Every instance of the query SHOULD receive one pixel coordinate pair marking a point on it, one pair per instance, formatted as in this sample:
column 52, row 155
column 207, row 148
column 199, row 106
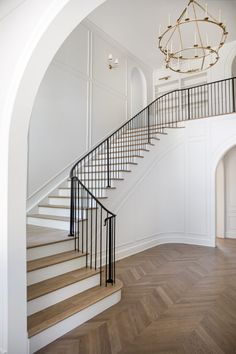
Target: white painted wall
column 220, row 199
column 80, row 101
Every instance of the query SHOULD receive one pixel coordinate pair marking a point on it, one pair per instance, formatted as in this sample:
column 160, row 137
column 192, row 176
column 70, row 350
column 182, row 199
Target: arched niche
column 138, row 91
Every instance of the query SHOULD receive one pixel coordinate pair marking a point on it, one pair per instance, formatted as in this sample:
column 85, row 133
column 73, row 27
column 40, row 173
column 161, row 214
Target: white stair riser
column 51, row 223
column 122, row 149
column 104, row 169
column 121, row 160
column 66, row 202
column 98, row 183
column 51, row 249
column 66, row 192
column 42, row 339
column 54, row 297
column 98, row 175
column 133, row 138
column 57, row 269
column 60, row 212
column 118, row 155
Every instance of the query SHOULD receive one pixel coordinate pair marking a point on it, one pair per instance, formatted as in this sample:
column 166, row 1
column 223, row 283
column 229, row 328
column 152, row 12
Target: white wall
column 80, row 101
column 220, row 199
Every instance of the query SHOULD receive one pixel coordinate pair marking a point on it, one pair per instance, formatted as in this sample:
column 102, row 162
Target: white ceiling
column 135, row 23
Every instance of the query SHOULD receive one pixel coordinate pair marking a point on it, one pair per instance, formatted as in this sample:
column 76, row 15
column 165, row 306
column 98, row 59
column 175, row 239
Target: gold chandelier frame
column 201, row 50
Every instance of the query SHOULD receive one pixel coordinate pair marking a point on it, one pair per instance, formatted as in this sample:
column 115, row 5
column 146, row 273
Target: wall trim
column 132, row 248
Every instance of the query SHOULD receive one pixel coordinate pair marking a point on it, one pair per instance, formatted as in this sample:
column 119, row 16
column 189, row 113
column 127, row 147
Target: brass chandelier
column 187, row 44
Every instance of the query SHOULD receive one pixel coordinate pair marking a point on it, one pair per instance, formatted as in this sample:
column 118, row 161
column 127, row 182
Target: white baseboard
column 130, row 249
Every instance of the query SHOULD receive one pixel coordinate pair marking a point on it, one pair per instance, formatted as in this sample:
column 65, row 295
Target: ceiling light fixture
column 188, row 44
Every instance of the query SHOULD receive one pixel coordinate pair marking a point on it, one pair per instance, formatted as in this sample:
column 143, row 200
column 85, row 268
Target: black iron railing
column 91, row 223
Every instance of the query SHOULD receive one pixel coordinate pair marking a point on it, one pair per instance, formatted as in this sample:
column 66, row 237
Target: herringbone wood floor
column 176, row 299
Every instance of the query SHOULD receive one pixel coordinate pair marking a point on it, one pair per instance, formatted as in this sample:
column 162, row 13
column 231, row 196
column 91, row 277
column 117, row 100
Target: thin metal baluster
column 83, row 201
column 96, row 233
column 171, row 108
column 212, row 108
column 79, row 216
column 100, row 246
column 233, row 94
column 108, row 165
column 106, row 246
column 114, row 253
column 214, row 99
column 111, row 276
column 75, row 214
column 72, row 207
column 225, row 98
column 91, row 235
column 218, row 97
column 87, row 220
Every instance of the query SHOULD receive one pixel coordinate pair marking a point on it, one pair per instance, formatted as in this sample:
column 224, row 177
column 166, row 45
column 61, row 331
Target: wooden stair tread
column 101, row 179
column 63, row 197
column 118, row 158
column 122, row 151
column 92, row 188
column 52, row 260
column 113, row 164
column 99, row 171
column 38, row 236
column 51, row 217
column 64, row 206
column 46, row 318
column 47, row 286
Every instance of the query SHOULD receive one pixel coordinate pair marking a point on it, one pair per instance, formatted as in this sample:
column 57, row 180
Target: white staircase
column 62, row 292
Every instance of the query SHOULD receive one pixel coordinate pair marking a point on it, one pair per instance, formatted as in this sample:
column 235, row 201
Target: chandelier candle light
column 191, row 54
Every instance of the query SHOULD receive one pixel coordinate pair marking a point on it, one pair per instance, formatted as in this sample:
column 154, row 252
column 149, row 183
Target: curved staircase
column 71, row 279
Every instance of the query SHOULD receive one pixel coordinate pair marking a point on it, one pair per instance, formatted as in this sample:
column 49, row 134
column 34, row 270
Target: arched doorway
column 138, row 91
column 32, row 32
column 226, row 195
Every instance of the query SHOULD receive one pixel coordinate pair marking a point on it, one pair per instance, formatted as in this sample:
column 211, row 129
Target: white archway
column 138, row 91
column 216, row 158
column 40, row 27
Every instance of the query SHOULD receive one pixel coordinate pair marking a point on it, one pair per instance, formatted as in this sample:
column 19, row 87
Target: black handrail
column 95, row 171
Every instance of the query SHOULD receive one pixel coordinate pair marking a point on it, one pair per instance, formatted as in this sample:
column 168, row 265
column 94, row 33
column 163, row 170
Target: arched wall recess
column 40, row 27
column 138, row 90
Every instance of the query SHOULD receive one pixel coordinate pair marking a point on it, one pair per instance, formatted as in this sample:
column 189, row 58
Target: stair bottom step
column 53, row 322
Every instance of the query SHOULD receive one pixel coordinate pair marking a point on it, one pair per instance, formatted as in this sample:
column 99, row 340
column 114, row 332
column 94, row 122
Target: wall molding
column 129, row 249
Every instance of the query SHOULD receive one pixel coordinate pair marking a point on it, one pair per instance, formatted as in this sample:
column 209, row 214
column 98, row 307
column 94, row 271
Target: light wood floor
column 176, row 299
